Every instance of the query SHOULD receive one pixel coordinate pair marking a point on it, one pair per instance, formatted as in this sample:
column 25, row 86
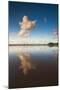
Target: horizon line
column 32, row 44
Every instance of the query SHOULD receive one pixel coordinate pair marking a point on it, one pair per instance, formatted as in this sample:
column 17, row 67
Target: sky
column 46, row 16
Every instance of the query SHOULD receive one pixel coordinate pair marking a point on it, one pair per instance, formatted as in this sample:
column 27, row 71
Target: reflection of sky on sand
column 26, row 64
column 32, row 49
column 31, row 65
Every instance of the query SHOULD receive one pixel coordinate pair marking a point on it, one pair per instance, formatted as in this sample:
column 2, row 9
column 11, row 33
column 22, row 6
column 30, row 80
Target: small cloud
column 55, row 33
column 26, row 26
column 45, row 19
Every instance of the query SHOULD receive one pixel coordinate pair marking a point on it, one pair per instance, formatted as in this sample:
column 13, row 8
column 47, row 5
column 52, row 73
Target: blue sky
column 46, row 16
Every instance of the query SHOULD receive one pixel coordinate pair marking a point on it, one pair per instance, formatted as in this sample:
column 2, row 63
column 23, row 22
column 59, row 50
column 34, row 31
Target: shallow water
column 31, row 66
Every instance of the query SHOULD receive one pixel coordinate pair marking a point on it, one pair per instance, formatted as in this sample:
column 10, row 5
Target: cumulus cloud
column 26, row 26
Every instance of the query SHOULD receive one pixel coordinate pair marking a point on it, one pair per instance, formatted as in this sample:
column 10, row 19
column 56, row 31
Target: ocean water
column 33, row 66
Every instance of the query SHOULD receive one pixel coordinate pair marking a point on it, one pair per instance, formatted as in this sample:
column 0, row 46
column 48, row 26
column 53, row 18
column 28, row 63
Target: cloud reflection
column 25, row 63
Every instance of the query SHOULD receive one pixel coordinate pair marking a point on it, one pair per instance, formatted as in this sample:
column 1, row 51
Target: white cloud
column 26, row 26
